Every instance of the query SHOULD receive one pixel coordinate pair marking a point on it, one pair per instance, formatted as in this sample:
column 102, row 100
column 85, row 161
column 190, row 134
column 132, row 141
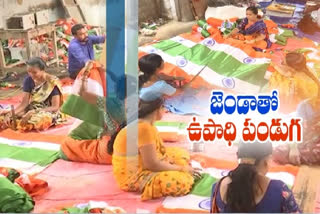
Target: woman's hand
column 195, row 172
column 26, row 117
column 5, row 111
column 179, row 78
column 7, row 120
column 249, row 41
column 84, row 85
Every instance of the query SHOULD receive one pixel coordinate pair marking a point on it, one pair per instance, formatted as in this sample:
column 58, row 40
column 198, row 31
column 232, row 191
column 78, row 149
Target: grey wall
column 11, row 7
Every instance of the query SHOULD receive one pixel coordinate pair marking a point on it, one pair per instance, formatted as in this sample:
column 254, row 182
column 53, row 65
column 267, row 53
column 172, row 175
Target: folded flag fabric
column 171, row 131
column 282, row 36
column 198, row 200
column 13, row 199
column 29, row 153
column 33, row 186
column 90, row 117
column 231, row 66
column 93, row 207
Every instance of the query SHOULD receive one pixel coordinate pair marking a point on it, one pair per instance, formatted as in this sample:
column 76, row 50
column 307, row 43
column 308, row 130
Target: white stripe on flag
column 207, row 74
column 189, row 202
column 167, row 129
column 92, row 86
column 31, row 144
column 213, row 45
column 286, row 177
column 24, row 166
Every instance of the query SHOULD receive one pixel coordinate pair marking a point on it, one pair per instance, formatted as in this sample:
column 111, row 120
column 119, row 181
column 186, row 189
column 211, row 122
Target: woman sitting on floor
column 247, row 189
column 152, row 84
column 148, row 166
column 307, row 152
column 94, row 149
column 294, row 81
column 252, row 30
column 41, row 100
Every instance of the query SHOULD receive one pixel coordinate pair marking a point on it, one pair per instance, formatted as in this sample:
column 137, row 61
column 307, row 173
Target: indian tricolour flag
column 90, row 118
column 28, row 152
column 198, row 200
column 225, row 65
column 171, row 131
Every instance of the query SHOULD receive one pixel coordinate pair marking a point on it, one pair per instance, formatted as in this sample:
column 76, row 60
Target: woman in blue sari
column 252, row 30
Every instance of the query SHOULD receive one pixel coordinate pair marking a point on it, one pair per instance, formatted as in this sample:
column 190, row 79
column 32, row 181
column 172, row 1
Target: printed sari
column 39, row 99
column 131, row 176
column 292, row 89
column 251, row 32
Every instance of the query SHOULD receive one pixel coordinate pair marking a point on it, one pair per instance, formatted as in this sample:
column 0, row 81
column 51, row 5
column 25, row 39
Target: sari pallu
column 251, row 32
column 40, row 99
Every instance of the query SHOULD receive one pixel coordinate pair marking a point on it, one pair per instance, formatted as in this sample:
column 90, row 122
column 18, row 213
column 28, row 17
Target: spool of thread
column 203, row 24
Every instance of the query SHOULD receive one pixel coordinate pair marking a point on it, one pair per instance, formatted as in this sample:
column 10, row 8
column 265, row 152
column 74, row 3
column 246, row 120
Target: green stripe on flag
column 173, row 124
column 219, row 61
column 34, row 155
column 77, row 107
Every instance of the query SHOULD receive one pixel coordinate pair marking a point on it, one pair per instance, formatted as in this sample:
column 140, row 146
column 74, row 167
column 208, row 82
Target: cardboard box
column 42, row 17
column 23, row 22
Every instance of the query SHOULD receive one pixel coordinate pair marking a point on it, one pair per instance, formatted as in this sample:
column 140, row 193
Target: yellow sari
column 292, row 89
column 131, row 176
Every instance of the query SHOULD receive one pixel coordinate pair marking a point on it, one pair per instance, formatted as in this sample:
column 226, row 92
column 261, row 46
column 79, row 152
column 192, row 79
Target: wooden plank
column 2, row 59
column 55, row 48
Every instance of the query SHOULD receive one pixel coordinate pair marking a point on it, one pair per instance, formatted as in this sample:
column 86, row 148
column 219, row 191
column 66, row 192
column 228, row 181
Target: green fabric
column 86, row 131
column 75, row 210
column 77, row 107
column 174, row 124
column 37, row 156
column 203, row 186
column 283, row 37
column 219, row 61
column 63, row 156
column 13, row 199
column 287, row 33
column 13, row 175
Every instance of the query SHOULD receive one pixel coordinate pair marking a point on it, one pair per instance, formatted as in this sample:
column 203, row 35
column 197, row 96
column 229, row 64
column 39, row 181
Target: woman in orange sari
column 149, row 167
column 252, row 30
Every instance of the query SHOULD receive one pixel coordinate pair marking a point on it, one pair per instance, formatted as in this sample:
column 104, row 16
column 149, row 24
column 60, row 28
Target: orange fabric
column 33, row 186
column 89, row 151
column 214, row 22
column 31, row 136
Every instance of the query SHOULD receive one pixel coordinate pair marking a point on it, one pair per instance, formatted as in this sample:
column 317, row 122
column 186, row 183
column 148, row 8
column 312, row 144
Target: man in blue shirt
column 80, row 49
